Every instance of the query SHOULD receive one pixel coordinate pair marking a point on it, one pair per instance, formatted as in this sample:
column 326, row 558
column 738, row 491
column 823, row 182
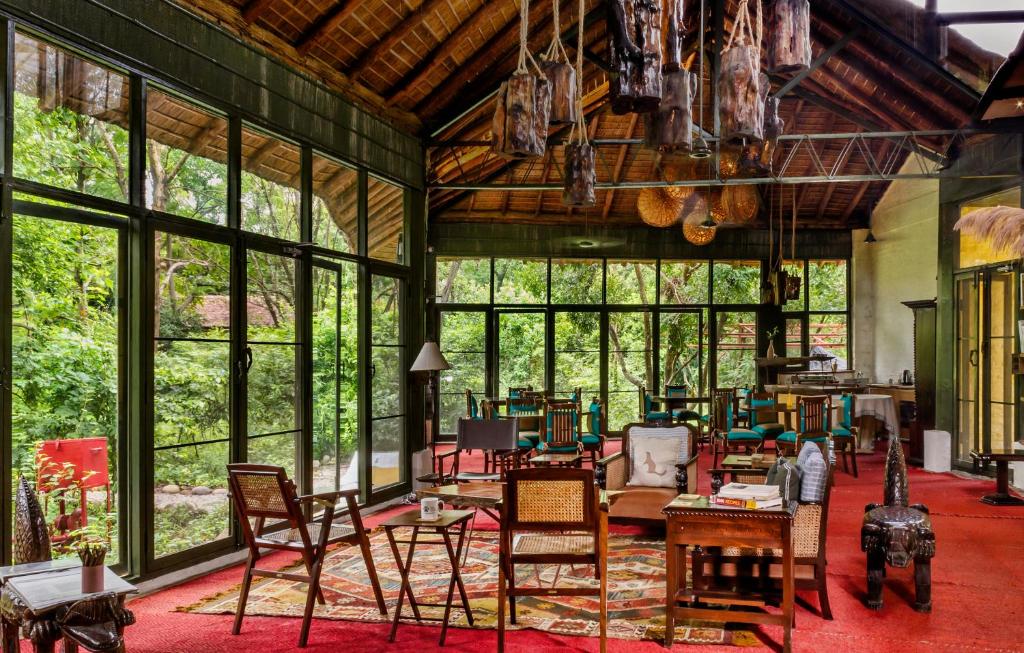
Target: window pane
column 463, row 343
column 827, row 280
column 578, row 353
column 270, row 311
column 387, row 425
column 463, row 280
column 64, row 372
column 191, row 387
column 521, row 351
column 629, row 366
column 271, row 175
column 737, row 282
column 973, row 251
column 518, row 281
column 387, row 443
column 70, row 121
column 192, row 288
column 271, row 381
column 682, row 354
column 186, row 159
column 275, row 450
column 794, row 337
column 386, row 221
column 828, row 337
column 183, row 518
column 737, row 342
column 796, row 269
column 386, row 295
column 631, row 282
column 684, row 282
column 576, row 282
column 335, row 205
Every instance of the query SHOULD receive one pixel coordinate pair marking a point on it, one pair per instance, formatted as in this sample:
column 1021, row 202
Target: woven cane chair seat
column 338, row 531
column 544, row 544
column 806, row 526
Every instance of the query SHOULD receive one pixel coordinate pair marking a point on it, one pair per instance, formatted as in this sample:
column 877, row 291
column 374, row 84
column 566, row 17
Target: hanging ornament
column 789, row 43
column 519, row 128
column 657, row 208
column 694, row 204
column 742, row 88
column 670, row 127
column 718, row 212
column 696, row 233
column 561, row 76
column 579, row 187
column 634, row 44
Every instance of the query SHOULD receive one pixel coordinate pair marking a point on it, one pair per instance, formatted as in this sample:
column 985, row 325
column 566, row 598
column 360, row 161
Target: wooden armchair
column 561, row 428
column 641, row 504
column 736, row 569
column 264, row 492
column 684, row 414
column 812, row 416
column 726, row 437
column 844, row 434
column 647, row 412
column 497, row 438
column 596, row 433
column 552, row 516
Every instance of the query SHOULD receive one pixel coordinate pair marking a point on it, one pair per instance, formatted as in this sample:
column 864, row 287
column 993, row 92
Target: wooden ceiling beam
column 519, row 217
column 395, row 36
column 326, row 24
column 254, row 9
column 857, row 197
column 620, row 161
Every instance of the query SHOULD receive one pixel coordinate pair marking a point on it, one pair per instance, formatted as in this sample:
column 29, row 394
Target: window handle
column 246, row 365
column 373, row 370
column 974, row 357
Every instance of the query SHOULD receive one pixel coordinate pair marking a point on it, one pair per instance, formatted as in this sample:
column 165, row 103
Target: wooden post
column 634, row 29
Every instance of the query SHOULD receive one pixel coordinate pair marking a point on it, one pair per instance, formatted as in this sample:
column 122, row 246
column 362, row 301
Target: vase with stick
column 771, row 333
column 92, row 552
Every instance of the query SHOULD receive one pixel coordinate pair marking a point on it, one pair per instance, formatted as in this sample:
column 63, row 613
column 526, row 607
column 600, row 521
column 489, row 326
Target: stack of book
column 748, row 495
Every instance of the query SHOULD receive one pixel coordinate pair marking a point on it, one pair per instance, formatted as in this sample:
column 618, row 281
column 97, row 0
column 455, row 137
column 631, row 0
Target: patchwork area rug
column 636, row 592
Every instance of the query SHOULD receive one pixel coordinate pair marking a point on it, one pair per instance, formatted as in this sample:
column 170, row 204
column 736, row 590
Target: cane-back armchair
column 264, row 493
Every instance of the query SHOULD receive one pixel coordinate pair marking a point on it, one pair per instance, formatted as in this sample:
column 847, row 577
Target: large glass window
column 521, row 349
column 683, row 350
column 463, row 280
column 736, row 344
column 186, row 155
column 464, row 345
column 578, row 353
column 385, row 221
column 65, row 399
column 684, row 282
column 335, row 205
column 630, row 365
column 974, row 252
column 70, row 121
column 388, row 381
column 520, row 281
column 271, row 176
column 826, row 285
column 192, row 378
column 576, row 281
column 737, row 282
column 632, row 282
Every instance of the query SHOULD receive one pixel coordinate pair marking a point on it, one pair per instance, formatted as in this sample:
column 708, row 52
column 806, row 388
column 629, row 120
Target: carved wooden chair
column 812, row 425
column 551, row 516
column 472, row 406
column 596, row 433
column 684, row 414
column 734, row 568
column 641, row 504
column 561, row 428
column 726, row 437
column 497, row 438
column 264, row 492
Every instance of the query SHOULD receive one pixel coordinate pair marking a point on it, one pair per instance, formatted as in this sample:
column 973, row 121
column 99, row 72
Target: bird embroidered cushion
column 654, row 456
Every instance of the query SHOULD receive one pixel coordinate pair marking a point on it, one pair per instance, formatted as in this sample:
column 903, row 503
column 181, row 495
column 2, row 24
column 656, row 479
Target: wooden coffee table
column 734, row 464
column 1002, row 457
column 557, row 460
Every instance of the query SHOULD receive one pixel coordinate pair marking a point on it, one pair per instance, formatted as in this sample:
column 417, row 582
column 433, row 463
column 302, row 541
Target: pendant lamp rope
column 578, row 133
column 524, row 50
column 743, row 28
column 556, row 51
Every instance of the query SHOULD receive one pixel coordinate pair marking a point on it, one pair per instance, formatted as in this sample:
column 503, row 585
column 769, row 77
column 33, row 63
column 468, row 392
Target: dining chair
column 561, row 428
column 595, row 435
column 472, row 406
column 684, row 414
column 813, row 413
column 264, row 492
column 497, row 438
column 726, row 437
column 844, row 434
column 764, row 414
column 647, row 412
column 552, row 516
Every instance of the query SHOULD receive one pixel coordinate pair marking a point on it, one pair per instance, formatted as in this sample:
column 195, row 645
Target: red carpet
column 978, row 593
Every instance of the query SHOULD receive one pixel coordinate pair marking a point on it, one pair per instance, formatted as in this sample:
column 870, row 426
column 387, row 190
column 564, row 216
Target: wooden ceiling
column 423, row 63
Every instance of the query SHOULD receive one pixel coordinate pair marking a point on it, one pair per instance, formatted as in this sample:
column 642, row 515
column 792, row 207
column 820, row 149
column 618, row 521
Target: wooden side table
column 557, row 460
column 449, row 520
column 1002, row 457
column 692, row 521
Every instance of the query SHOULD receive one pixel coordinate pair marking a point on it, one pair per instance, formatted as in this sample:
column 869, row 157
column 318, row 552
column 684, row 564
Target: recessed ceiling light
column 587, row 244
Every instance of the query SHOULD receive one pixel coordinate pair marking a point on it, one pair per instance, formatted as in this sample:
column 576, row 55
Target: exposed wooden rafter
column 326, row 24
column 254, row 9
column 395, row 36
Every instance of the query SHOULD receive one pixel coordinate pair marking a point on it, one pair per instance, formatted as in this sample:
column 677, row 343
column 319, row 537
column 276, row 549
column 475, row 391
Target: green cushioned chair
column 681, row 414
column 726, row 435
column 812, row 421
column 594, row 437
column 472, row 406
column 844, row 436
column 561, row 428
column 647, row 408
column 763, row 415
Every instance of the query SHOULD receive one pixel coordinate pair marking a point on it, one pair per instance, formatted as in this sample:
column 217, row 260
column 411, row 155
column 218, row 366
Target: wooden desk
column 1001, row 457
column 696, row 523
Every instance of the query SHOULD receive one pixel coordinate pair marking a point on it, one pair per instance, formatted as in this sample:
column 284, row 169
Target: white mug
column 430, row 509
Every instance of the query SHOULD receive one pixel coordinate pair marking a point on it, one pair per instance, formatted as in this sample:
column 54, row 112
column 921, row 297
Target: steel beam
column 817, row 63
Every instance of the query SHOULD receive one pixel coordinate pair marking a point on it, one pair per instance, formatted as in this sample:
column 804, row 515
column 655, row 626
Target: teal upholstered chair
column 844, row 435
column 726, row 437
column 525, row 392
column 595, row 434
column 764, row 414
column 743, row 413
column 647, row 412
column 561, row 428
column 472, row 406
column 812, row 426
column 684, row 414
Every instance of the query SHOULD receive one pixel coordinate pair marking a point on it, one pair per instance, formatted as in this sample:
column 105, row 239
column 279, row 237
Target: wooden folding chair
column 264, row 492
column 552, row 516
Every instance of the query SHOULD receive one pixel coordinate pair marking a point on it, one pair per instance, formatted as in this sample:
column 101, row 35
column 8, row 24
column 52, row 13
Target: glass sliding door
column 630, row 365
column 578, row 354
column 968, row 357
column 735, row 349
column 1001, row 327
column 463, row 342
column 66, row 408
column 192, row 393
column 683, row 338
column 335, row 376
column 387, row 382
column 522, row 350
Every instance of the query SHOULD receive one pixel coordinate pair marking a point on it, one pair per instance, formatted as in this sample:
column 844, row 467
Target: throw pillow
column 814, row 474
column 787, row 476
column 654, row 454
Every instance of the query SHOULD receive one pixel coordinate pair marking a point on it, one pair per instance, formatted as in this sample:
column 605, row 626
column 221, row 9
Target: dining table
column 873, row 412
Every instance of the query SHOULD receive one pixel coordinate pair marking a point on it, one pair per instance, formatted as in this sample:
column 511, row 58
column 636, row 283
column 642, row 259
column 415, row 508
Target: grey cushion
column 813, row 473
column 787, row 476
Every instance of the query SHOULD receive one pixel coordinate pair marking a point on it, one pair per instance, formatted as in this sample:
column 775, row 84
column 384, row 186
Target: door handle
column 246, row 365
column 373, row 370
column 973, row 359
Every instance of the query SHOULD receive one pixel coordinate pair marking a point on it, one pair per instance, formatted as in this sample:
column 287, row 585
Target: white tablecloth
column 881, row 407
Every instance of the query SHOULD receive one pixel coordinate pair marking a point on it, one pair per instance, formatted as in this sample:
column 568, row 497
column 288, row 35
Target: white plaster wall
column 901, row 266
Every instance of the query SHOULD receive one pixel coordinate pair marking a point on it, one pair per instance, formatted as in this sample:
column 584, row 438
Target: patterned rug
column 636, row 592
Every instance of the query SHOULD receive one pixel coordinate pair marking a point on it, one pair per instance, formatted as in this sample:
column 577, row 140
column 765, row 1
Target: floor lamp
column 430, row 361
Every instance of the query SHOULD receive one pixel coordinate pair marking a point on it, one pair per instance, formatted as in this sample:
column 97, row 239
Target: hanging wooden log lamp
column 560, row 73
column 580, row 174
column 741, row 86
column 789, row 42
column 519, row 128
column 669, row 128
column 634, row 44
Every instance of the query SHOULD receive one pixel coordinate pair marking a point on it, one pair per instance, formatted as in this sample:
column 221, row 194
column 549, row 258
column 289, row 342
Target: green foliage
column 183, row 526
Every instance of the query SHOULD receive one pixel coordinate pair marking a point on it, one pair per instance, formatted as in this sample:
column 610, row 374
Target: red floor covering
column 978, row 593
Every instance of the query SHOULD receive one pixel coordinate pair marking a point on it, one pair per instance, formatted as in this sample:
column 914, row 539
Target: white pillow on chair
column 653, row 454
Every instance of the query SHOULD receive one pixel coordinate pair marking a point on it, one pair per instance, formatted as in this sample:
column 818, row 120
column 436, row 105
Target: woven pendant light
column 673, row 171
column 657, row 208
column 694, row 206
column 696, row 233
column 718, row 212
column 740, row 203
